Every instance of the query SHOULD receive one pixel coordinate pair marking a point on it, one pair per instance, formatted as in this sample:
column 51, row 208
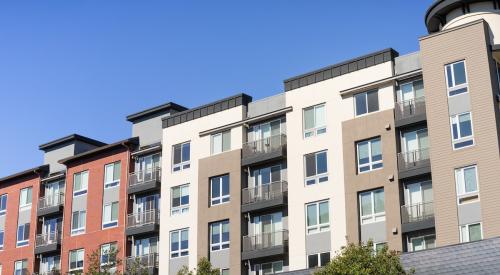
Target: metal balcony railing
column 143, row 218
column 264, row 146
column 55, row 271
column 51, row 200
column 135, row 264
column 264, row 192
column 46, row 239
column 265, row 241
column 413, row 159
column 410, row 108
column 417, row 212
column 144, row 176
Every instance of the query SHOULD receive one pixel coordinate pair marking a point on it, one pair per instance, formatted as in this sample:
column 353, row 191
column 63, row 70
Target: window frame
column 3, row 201
column 260, row 269
column 461, row 193
column 222, row 245
column 375, row 244
column 223, row 141
column 461, row 140
column 111, row 223
column 184, row 164
column 24, row 266
column 316, row 178
column 81, row 192
column 25, row 241
column 110, row 262
column 410, row 243
column 221, row 198
column 182, row 208
column 78, row 251
column 318, row 256
column 318, row 227
column 113, row 183
column 29, row 202
column 467, row 226
column 317, row 129
column 79, row 230
column 179, row 251
column 373, row 217
column 365, row 93
column 2, row 239
column 456, row 88
column 371, row 163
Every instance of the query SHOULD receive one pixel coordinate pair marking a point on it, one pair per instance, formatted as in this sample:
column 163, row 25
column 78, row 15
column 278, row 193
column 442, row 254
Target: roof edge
column 36, row 170
column 154, row 110
column 123, row 143
column 73, row 137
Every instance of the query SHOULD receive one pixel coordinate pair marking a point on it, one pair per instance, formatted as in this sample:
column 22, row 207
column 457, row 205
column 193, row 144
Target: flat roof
column 126, row 142
column 155, row 110
column 33, row 171
column 67, row 139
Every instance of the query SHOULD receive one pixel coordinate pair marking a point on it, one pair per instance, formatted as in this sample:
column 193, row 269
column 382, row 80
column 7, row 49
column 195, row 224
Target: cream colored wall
column 482, row 11
column 200, row 148
column 337, row 110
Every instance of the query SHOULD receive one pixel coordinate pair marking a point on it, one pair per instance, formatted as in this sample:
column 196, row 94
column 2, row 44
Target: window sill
column 319, row 232
column 110, row 185
column 77, row 233
column 368, row 171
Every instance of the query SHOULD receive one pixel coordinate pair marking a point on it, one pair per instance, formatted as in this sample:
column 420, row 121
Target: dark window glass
column 177, row 154
column 186, row 151
column 313, row 260
column 361, row 106
column 310, row 165
column 372, row 101
column 325, row 258
column 322, row 163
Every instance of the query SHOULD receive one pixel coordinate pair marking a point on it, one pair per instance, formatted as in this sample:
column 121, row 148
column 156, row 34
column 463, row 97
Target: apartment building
column 402, row 150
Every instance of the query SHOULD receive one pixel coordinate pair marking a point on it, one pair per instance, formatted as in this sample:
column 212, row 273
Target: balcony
column 52, row 272
column 264, row 150
column 417, row 216
column 410, row 111
column 46, row 243
column 414, row 163
column 143, row 222
column 50, row 204
column 145, row 264
column 144, row 181
column 264, row 196
column 265, row 245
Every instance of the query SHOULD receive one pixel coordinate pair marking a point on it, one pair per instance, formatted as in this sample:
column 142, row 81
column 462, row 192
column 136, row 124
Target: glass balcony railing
column 143, row 218
column 265, row 241
column 264, row 192
column 413, row 159
column 410, row 108
column 254, row 149
column 417, row 212
column 47, row 239
column 51, row 200
column 144, row 176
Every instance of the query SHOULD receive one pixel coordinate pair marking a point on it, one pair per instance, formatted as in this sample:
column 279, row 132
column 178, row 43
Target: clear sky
column 82, row 66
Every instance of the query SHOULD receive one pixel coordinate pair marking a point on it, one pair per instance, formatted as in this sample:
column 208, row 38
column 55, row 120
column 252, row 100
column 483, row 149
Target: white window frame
column 78, row 251
column 219, row 244
column 80, row 230
column 317, row 129
column 181, row 209
column 373, row 217
column 221, row 271
column 410, row 242
column 260, row 269
column 461, row 139
column 2, row 232
column 318, row 178
column 318, row 255
column 112, row 183
column 180, row 250
column 23, row 242
column 461, row 193
column 371, row 162
column 111, row 223
column 107, row 248
column 23, row 263
column 82, row 191
column 319, row 227
column 222, row 140
column 367, row 104
column 456, row 87
column 375, row 251
column 25, row 205
column 3, row 197
column 183, row 164
column 467, row 226
column 221, row 197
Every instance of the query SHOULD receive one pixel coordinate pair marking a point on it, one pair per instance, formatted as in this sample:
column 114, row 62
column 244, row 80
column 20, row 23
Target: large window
column 461, row 130
column 270, row 268
column 372, row 206
column 80, row 183
column 181, row 156
column 366, row 102
column 220, row 142
column 21, row 267
column 3, row 204
column 219, row 235
column 25, row 198
column 318, row 259
column 219, row 192
column 23, row 234
column 314, row 120
column 76, row 258
column 108, row 254
column 78, row 220
column 422, row 243
column 2, row 235
column 471, row 232
column 369, row 155
column 112, row 173
column 318, row 217
column 456, row 78
column 316, row 167
column 110, row 215
column 466, row 180
column 410, row 91
column 179, row 243
column 180, row 199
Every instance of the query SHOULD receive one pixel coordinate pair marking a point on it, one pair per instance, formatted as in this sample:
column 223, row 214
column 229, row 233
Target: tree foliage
column 204, row 268
column 112, row 267
column 362, row 260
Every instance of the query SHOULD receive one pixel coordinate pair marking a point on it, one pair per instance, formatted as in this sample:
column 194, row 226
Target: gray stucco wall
column 317, row 243
column 177, row 263
column 407, row 63
column 459, row 104
column 469, row 213
column 266, row 105
column 79, row 203
column 374, row 231
column 53, row 156
column 220, row 259
column 111, row 195
column 149, row 130
column 24, row 216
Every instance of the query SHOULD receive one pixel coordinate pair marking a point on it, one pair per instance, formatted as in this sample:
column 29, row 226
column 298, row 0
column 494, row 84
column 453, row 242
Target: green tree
column 111, row 267
column 362, row 260
column 204, row 268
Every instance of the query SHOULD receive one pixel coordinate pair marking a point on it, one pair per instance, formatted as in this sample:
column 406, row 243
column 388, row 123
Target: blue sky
column 82, row 66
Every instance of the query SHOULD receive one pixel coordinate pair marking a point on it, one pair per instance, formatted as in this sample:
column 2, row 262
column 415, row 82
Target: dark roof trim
column 208, row 109
column 127, row 143
column 39, row 170
column 339, row 69
column 156, row 110
column 74, row 137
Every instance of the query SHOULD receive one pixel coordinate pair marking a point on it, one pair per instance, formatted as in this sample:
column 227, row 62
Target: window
column 108, row 254
column 3, row 204
column 2, row 234
column 366, row 102
column 110, row 215
column 80, row 183
column 316, row 168
column 466, row 180
column 369, row 155
column 180, row 199
column 219, row 235
column 221, row 142
column 318, row 217
column 21, row 267
column 112, row 174
column 471, row 232
column 78, row 222
column 23, row 234
column 181, row 156
column 76, row 260
column 270, row 268
column 179, row 243
column 410, row 91
column 219, row 190
column 25, row 197
column 422, row 243
column 224, row 271
column 317, row 260
column 372, row 206
column 456, row 78
column 377, row 247
column 461, row 130
column 314, row 120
